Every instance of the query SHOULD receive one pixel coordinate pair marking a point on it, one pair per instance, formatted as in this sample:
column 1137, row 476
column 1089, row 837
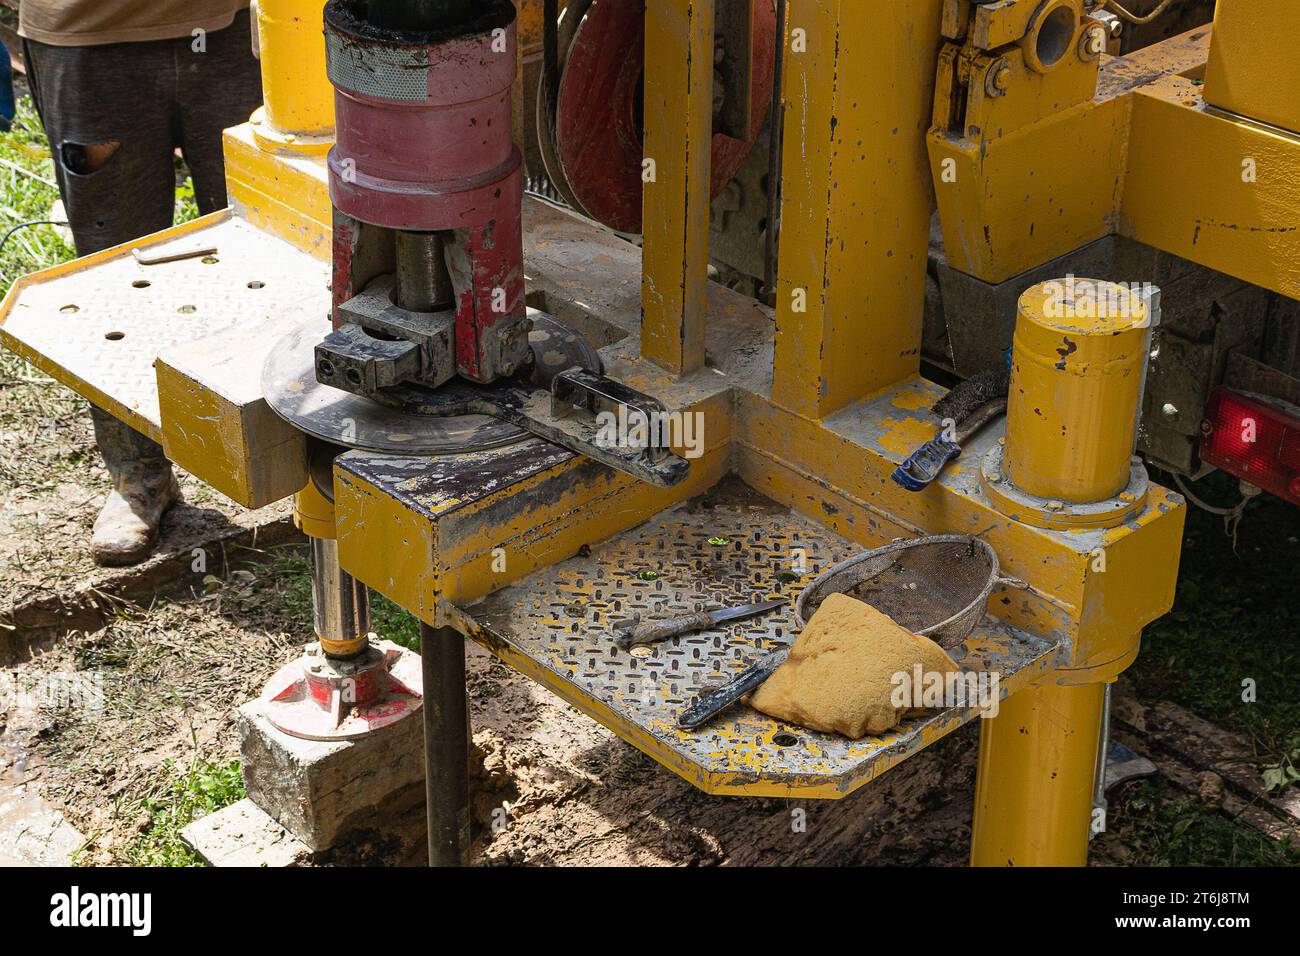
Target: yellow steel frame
column 678, row 142
column 856, row 200
column 841, row 403
column 1253, row 69
column 1126, row 145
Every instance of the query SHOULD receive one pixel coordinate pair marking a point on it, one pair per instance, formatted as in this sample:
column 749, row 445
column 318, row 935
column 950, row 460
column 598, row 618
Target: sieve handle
column 1016, row 583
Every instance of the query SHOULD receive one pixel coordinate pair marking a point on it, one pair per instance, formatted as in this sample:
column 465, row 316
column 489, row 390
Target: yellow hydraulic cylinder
column 298, row 110
column 1033, row 793
column 1076, row 378
column 1076, row 384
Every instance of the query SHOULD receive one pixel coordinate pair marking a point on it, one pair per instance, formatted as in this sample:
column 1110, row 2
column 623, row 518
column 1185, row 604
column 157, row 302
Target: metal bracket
column 593, row 415
column 378, row 344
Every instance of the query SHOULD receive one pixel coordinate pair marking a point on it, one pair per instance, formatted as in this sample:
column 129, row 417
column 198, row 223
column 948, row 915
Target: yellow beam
column 675, row 217
column 1253, row 68
column 1217, row 190
column 856, row 201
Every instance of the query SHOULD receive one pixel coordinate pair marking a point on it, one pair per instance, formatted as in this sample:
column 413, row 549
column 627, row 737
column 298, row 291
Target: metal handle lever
column 925, row 464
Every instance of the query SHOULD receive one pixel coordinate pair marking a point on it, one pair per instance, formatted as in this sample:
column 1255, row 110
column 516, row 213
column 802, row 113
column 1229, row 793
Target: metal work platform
column 730, row 546
column 98, row 323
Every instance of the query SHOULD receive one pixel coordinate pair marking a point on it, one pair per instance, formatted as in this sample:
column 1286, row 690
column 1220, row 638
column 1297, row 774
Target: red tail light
column 1255, row 439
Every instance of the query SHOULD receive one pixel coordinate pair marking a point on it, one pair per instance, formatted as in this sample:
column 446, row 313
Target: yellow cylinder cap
column 313, row 513
column 1076, row 380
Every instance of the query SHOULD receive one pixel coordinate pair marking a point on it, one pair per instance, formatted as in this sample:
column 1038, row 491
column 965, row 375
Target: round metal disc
column 570, row 17
column 598, row 129
column 414, row 421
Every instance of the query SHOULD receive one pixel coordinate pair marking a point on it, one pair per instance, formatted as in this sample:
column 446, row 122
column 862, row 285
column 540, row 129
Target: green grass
column 204, row 788
column 27, row 195
column 186, row 208
column 1234, row 619
column 391, row 622
column 1158, row 825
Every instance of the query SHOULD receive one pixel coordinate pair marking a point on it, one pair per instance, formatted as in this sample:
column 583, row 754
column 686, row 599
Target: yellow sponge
column 840, row 673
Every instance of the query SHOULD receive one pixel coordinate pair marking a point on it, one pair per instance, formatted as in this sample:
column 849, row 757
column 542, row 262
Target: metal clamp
column 925, row 464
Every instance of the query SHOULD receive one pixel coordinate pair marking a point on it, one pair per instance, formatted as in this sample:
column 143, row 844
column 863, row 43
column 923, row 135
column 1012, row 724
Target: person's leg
column 217, row 88
column 144, row 487
column 109, row 128
column 108, row 121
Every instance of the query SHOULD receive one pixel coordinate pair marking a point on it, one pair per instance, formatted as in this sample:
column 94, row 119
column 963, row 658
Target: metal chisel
column 708, row 705
column 634, row 633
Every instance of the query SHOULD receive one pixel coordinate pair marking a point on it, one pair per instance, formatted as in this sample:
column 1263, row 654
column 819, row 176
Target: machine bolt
column 1055, row 506
column 1169, row 410
column 998, row 79
column 1112, row 24
column 1093, row 43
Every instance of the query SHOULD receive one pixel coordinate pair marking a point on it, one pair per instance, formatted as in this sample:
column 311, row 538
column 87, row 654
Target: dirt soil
column 52, row 484
column 572, row 793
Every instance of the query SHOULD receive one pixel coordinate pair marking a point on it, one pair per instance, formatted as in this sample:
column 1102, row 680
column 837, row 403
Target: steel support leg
column 1033, row 792
column 340, row 603
column 446, row 745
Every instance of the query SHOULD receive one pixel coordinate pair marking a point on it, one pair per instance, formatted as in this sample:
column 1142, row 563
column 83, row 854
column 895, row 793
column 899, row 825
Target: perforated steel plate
column 98, row 323
column 728, row 547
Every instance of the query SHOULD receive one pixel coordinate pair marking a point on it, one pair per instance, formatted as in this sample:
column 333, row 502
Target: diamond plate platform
column 728, row 547
column 97, row 324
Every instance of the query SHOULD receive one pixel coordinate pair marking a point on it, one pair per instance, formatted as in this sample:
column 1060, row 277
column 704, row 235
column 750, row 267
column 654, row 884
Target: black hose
column 24, row 225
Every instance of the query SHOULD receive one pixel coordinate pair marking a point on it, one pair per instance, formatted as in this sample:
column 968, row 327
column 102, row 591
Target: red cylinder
column 424, row 142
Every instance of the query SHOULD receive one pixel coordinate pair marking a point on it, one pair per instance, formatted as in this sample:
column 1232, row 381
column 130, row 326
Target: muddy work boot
column 143, row 489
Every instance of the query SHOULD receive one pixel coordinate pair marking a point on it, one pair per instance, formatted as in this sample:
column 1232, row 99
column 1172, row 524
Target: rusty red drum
column 424, row 143
column 598, row 124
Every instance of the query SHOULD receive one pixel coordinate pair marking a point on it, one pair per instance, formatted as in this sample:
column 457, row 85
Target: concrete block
column 320, row 790
column 33, row 833
column 242, row 834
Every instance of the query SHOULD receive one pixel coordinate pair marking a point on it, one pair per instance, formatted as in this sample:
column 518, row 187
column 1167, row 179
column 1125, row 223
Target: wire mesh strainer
column 937, row 587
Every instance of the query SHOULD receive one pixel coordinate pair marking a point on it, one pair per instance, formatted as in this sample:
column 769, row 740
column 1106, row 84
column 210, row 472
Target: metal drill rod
column 423, row 282
column 340, row 603
column 421, row 15
column 446, row 745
